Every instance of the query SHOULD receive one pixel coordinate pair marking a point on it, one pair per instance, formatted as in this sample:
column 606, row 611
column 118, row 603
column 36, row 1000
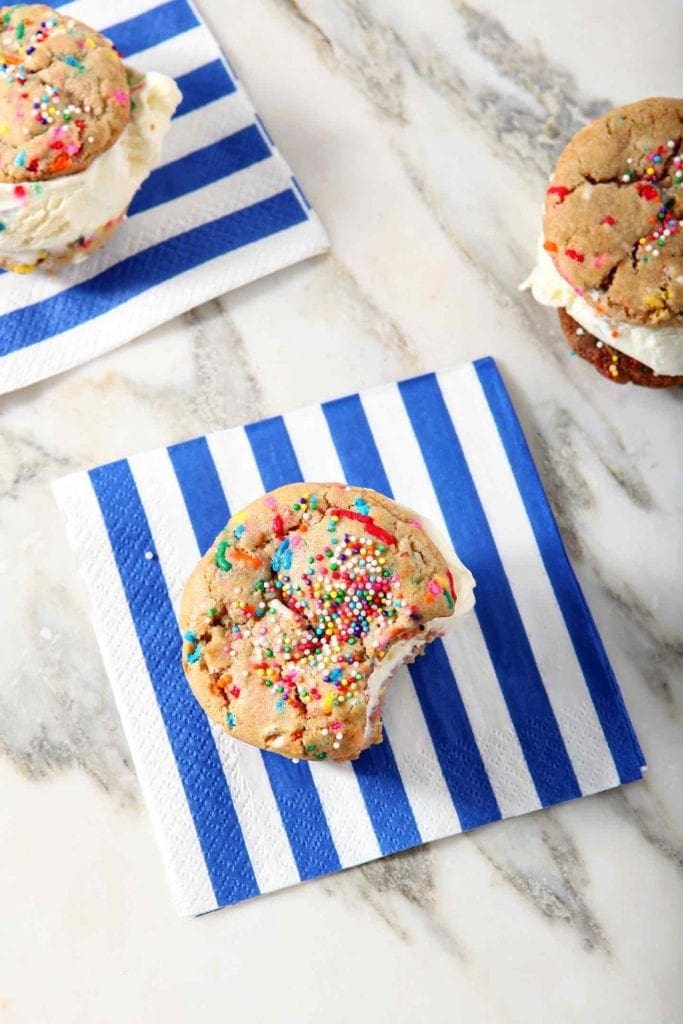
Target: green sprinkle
column 220, row 560
column 310, row 747
column 449, row 599
column 296, row 506
column 21, row 28
column 322, row 756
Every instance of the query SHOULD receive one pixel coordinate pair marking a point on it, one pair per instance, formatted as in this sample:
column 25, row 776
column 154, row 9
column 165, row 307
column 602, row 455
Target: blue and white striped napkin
column 222, row 210
column 519, row 709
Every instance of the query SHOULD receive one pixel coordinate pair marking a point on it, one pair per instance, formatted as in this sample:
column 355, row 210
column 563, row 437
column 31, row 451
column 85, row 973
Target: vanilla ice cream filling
column 402, row 650
column 660, row 348
column 44, row 218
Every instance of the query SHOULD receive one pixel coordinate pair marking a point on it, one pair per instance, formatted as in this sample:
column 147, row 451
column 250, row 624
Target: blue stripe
column 208, row 796
column 206, row 505
column 588, row 646
column 144, row 270
column 151, row 28
column 205, row 85
column 295, row 794
column 436, row 687
column 506, row 640
column 200, row 168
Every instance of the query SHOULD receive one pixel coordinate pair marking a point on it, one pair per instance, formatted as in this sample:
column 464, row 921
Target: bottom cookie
column 609, row 361
column 74, row 253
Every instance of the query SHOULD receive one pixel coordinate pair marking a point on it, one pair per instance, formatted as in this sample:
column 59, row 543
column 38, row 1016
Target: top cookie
column 64, row 94
column 297, row 603
column 613, row 212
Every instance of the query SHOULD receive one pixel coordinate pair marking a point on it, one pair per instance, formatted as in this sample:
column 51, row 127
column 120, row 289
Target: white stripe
column 97, row 15
column 161, row 303
column 418, row 764
column 341, row 798
column 179, row 55
column 125, row 664
column 266, row 839
column 533, row 593
column 236, row 467
column 405, row 724
column 485, row 705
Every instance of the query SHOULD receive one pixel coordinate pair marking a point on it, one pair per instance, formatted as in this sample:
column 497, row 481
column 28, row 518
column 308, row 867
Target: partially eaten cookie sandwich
column 296, row 617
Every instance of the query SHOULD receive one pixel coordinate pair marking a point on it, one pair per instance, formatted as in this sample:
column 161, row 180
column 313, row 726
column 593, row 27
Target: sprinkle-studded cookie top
column 64, row 94
column 299, row 600
column 613, row 219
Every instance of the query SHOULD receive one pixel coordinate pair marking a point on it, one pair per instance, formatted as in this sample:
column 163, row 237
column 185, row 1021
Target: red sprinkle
column 646, row 191
column 559, row 190
column 19, row 192
column 278, row 527
column 608, row 220
column 452, row 584
column 370, row 525
column 574, row 255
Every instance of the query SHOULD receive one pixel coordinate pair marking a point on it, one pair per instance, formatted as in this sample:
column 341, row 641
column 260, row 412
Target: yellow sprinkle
column 24, row 268
column 90, row 43
column 4, row 128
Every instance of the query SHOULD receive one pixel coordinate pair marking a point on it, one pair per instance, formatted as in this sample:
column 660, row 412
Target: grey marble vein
column 531, row 130
column 227, row 390
column 57, row 711
column 396, row 884
column 556, row 886
column 646, row 812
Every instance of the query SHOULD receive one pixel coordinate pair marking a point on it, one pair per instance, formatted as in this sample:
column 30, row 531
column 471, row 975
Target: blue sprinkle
column 195, row 655
column 2, row 226
column 20, row 158
column 190, row 637
column 282, row 559
column 238, row 531
column 361, row 506
column 231, row 720
column 260, row 612
column 279, row 705
column 335, row 674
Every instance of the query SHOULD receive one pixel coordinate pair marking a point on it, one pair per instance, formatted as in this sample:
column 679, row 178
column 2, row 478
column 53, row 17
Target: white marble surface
column 423, row 140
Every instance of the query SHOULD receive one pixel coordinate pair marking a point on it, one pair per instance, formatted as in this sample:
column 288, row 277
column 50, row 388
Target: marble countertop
column 423, row 142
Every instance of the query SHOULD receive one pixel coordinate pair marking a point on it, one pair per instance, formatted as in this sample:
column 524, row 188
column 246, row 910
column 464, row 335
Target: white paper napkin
column 222, row 210
column 517, row 710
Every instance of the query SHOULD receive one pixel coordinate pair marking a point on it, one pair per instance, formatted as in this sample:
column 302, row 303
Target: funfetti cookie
column 79, row 133
column 611, row 255
column 296, row 617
